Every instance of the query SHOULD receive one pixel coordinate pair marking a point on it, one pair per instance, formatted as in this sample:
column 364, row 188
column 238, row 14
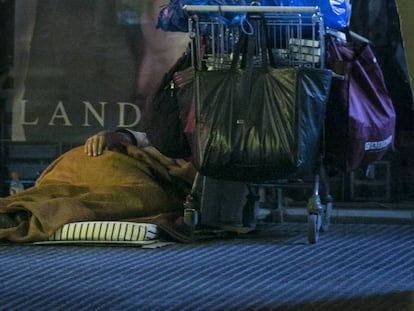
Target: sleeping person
column 117, row 175
column 114, row 176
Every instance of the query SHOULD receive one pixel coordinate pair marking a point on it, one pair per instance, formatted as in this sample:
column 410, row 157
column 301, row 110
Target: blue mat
column 353, row 267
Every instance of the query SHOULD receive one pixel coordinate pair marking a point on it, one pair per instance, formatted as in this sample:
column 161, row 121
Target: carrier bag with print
column 360, row 121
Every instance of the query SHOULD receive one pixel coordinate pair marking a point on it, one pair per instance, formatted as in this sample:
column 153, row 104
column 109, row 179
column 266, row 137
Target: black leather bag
column 162, row 116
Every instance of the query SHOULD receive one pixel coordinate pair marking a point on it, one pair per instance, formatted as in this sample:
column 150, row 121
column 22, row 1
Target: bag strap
column 266, row 49
column 258, row 25
column 246, row 81
column 240, row 49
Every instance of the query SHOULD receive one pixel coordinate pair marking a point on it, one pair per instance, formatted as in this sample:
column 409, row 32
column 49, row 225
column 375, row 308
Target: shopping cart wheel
column 314, row 224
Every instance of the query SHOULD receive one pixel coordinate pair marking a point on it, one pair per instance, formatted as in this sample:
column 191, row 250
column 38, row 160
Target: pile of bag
column 252, row 123
column 172, row 17
column 255, row 124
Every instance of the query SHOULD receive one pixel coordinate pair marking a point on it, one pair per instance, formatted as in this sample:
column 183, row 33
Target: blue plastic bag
column 335, row 12
column 172, row 17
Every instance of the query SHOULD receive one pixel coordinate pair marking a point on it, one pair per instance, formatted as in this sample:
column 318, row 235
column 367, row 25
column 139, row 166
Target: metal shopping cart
column 296, row 33
column 295, row 36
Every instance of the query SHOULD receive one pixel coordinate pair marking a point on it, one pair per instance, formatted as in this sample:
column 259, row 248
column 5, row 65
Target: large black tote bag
column 259, row 124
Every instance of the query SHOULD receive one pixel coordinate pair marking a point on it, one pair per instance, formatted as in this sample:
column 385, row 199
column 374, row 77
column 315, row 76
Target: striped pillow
column 106, row 231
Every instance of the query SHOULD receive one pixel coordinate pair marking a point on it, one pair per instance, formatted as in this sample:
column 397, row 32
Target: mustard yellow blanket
column 115, row 186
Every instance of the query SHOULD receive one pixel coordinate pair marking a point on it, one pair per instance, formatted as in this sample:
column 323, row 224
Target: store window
column 84, row 66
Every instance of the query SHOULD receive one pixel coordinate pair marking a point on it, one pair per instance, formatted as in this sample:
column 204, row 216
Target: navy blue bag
column 172, row 17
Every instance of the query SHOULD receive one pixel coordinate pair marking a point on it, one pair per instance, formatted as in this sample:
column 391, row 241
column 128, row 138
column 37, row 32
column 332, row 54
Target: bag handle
column 341, row 65
column 266, row 49
column 247, row 44
column 261, row 35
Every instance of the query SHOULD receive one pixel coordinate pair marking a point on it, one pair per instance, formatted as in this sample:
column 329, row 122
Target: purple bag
column 360, row 118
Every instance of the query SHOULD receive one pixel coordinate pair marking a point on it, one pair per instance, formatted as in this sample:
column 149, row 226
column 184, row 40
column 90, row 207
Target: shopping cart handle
column 249, row 8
